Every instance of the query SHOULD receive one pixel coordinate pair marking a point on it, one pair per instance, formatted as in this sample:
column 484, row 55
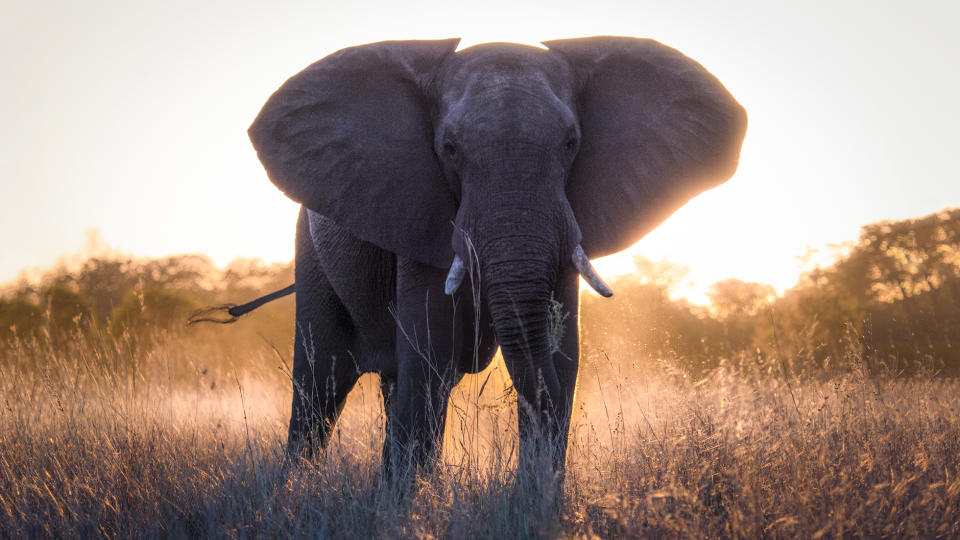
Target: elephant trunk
column 518, row 295
column 522, row 247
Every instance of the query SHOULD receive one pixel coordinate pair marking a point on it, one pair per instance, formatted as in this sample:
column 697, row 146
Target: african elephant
column 419, row 167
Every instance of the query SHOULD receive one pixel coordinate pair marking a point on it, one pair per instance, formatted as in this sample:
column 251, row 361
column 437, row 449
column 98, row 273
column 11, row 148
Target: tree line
column 890, row 303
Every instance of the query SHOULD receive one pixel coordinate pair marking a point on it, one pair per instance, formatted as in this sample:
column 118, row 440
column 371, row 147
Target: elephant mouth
column 458, row 270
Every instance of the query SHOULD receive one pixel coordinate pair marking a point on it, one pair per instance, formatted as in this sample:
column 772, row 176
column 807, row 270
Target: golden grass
column 102, row 440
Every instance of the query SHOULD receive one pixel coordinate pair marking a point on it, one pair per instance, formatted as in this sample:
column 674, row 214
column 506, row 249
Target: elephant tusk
column 455, row 277
column 586, row 270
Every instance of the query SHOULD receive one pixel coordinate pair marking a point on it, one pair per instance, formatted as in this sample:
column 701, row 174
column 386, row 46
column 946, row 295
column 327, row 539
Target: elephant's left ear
column 657, row 129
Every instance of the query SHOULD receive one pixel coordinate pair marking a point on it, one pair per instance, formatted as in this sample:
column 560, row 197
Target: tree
column 736, row 298
column 150, row 310
column 19, row 317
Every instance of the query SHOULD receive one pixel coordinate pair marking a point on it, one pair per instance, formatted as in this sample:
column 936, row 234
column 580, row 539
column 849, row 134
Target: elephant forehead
column 500, row 107
column 496, row 102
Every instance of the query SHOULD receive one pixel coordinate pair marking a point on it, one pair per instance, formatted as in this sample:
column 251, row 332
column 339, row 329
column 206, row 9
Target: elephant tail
column 234, row 311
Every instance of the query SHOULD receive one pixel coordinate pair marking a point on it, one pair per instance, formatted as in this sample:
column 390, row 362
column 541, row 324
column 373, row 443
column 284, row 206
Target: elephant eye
column 570, row 145
column 450, row 149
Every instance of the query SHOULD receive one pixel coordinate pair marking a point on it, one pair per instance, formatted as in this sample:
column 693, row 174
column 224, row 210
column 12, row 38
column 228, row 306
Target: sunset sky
column 131, row 117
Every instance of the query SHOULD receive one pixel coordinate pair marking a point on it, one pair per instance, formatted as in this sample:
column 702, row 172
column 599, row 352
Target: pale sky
column 131, row 117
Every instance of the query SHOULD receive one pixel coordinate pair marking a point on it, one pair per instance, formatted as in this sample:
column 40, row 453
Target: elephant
column 448, row 197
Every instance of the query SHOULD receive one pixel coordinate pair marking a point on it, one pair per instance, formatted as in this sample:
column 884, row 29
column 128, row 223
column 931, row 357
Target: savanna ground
column 831, row 410
column 108, row 436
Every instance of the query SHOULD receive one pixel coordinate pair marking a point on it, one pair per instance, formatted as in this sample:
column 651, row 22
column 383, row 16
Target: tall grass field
column 107, row 436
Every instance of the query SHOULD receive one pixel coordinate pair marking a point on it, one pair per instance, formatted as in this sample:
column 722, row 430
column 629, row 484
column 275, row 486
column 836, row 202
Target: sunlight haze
column 131, row 118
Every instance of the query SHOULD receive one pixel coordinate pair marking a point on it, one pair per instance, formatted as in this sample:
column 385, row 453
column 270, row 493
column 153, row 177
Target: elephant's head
column 540, row 158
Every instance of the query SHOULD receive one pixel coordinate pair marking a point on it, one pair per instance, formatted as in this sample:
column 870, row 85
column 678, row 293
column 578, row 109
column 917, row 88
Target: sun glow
column 148, row 142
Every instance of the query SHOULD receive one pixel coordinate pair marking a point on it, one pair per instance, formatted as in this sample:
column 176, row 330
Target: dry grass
column 103, row 440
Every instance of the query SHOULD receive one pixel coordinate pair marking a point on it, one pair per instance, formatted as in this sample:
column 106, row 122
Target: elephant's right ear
column 351, row 137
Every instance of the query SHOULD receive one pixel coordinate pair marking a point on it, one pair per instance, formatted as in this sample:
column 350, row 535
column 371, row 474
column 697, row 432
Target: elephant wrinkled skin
column 489, row 175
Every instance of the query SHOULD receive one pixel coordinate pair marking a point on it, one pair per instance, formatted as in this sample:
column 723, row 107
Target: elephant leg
column 324, row 372
column 428, row 347
column 324, row 368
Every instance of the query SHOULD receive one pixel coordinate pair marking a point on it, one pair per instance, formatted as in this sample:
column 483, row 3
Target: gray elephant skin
column 449, row 197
